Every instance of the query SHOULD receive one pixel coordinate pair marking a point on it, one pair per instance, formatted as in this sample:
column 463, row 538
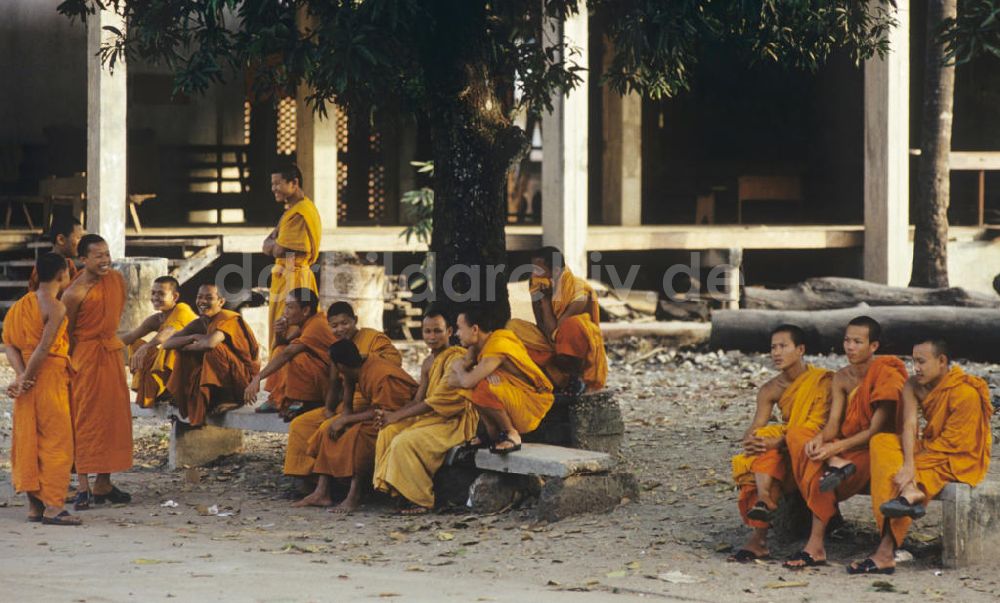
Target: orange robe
column 955, row 445
column 804, row 404
column 882, row 383
column 150, row 381
column 203, row 380
column 578, row 336
column 102, row 417
column 304, row 431
column 299, row 230
column 526, row 402
column 41, row 454
column 70, row 267
column 385, row 385
column 409, row 453
column 306, row 377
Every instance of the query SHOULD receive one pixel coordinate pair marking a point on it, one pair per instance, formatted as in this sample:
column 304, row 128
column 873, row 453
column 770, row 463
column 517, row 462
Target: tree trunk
column 930, row 240
column 832, row 293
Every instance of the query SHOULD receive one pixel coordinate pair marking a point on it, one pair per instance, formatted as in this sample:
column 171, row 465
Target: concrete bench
column 971, row 522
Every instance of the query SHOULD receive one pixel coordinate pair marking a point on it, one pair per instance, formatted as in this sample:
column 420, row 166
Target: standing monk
column 37, row 348
column 414, row 440
column 833, row 465
column 802, row 394
column 566, row 340
column 102, row 419
column 216, row 359
column 347, row 447
column 65, row 236
column 151, row 365
column 294, row 243
column 907, row 470
column 510, row 391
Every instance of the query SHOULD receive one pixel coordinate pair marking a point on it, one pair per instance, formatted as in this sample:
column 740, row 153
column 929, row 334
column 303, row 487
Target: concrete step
column 547, row 460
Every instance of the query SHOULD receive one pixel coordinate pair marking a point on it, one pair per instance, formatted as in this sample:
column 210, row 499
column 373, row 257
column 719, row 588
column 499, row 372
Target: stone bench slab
column 244, row 419
column 547, row 460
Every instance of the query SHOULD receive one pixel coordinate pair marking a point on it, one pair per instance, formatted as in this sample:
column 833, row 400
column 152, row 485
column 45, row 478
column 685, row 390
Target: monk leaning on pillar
column 217, row 356
column 908, row 469
column 414, row 440
column 802, row 394
column 510, row 392
column 150, row 363
column 65, row 235
column 833, row 465
column 102, row 417
column 37, row 348
column 566, row 340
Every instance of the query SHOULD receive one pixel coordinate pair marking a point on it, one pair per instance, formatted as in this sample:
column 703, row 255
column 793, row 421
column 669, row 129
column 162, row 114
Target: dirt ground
column 232, row 536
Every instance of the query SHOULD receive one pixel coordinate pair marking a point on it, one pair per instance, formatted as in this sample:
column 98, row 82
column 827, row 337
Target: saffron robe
column 306, row 376
column 70, row 267
column 299, row 229
column 150, row 381
column 882, row 383
column 41, row 454
column 385, row 385
column 409, row 453
column 102, row 417
column 955, row 445
column 526, row 402
column 203, row 380
column 805, row 404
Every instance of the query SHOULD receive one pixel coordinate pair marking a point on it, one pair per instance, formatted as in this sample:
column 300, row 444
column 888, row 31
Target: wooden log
column 972, row 333
column 834, row 293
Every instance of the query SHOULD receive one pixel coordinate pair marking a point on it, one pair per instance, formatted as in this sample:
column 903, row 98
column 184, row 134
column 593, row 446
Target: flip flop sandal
column 746, row 556
column 115, row 496
column 504, row 437
column 900, row 507
column 63, row 519
column 760, row 512
column 266, row 407
column 868, row 567
column 833, row 476
column 411, row 510
column 83, row 501
column 806, row 559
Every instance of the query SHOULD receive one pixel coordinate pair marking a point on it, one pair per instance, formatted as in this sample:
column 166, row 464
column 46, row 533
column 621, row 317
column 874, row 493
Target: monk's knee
column 884, row 441
column 798, row 436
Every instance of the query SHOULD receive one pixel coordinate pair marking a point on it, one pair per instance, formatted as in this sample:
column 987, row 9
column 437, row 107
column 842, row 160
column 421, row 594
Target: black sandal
column 746, row 556
column 833, row 476
column 63, row 519
column 900, row 507
column 115, row 497
column 83, row 501
column 806, row 559
column 504, row 437
column 868, row 567
column 760, row 512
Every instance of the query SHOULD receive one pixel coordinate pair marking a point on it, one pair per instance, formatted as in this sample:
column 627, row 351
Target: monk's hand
column 454, row 377
column 813, row 445
column 904, row 477
column 250, row 394
column 14, row 389
column 493, row 379
column 280, row 327
column 826, row 451
column 336, row 428
column 379, row 418
column 753, row 445
column 136, row 360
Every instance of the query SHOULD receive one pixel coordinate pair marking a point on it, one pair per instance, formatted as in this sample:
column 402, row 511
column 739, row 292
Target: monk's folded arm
column 146, row 327
column 838, row 401
column 908, row 434
column 359, row 417
column 203, row 343
column 411, row 410
column 332, row 400
column 281, row 359
column 14, row 358
column 964, row 415
column 183, row 337
column 469, row 379
column 765, row 407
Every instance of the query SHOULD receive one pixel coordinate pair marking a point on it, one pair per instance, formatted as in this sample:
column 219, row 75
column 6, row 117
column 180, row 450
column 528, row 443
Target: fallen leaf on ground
column 785, row 584
column 676, row 577
column 445, row 536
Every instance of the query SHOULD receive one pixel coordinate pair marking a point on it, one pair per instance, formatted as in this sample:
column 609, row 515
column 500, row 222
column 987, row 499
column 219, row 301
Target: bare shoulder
column 773, row 388
column 843, row 378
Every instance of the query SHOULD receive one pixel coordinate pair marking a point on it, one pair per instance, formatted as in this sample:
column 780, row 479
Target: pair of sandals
column 85, row 500
column 803, row 560
column 64, row 518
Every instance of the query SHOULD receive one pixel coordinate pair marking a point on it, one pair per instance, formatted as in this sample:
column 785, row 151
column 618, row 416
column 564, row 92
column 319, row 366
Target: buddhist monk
column 102, row 418
column 37, row 348
column 802, row 395
column 151, row 365
column 566, row 338
column 833, row 465
column 298, row 372
column 347, row 447
column 217, row 357
column 414, row 440
column 510, row 391
column 305, row 430
column 65, row 236
column 294, row 243
column 908, row 469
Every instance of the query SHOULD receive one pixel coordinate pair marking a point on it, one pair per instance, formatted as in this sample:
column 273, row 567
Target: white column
column 886, row 160
column 107, row 150
column 316, row 155
column 564, row 154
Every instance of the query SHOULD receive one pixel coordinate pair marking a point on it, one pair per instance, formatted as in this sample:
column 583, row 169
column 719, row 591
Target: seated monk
column 37, row 348
column 347, row 446
column 65, row 235
column 150, row 364
column 414, row 440
column 297, row 373
column 832, row 465
column 509, row 390
column 305, row 430
column 216, row 359
column 907, row 470
column 802, row 394
column 566, row 338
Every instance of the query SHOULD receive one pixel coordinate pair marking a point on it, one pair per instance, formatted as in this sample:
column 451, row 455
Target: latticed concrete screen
column 376, row 179
column 286, row 126
column 341, row 163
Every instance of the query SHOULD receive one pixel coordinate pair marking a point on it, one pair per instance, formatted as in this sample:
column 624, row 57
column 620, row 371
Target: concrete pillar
column 107, row 151
column 621, row 194
column 886, row 158
column 316, row 155
column 564, row 153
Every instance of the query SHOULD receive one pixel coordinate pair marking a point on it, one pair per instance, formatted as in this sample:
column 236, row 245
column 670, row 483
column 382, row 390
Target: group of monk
column 858, row 430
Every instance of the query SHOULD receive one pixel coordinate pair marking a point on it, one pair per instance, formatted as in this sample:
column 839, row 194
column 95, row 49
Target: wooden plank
column 14, row 284
column 974, row 160
column 200, row 260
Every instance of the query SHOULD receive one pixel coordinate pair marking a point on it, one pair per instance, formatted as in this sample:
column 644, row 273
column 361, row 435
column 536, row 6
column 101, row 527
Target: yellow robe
column 526, row 402
column 299, row 230
column 409, row 453
column 150, row 381
column 804, row 404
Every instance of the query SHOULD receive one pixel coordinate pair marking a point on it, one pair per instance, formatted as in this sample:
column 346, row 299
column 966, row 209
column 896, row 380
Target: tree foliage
column 973, row 32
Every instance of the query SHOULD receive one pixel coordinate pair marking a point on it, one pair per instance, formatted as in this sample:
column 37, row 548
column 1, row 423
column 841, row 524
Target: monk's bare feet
column 347, row 506
column 223, row 408
column 913, row 494
column 314, row 500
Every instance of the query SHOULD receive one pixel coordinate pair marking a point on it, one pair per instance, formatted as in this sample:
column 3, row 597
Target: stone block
column 971, row 519
column 792, row 518
column 562, row 497
column 543, row 459
column 591, row 421
column 494, row 492
column 193, row 446
column 452, row 484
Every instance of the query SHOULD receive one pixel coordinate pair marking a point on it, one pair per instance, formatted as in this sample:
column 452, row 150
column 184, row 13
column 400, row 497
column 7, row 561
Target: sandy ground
column 684, row 411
